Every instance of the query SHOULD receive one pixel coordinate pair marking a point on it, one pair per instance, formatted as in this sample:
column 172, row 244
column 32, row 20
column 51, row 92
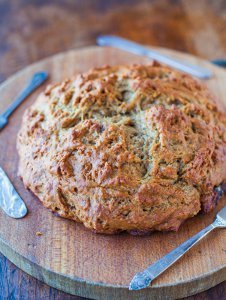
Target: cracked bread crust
column 127, row 148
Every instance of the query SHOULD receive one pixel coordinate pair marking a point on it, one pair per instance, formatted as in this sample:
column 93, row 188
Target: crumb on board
column 38, row 233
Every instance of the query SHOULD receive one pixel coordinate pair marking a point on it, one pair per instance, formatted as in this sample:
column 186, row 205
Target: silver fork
column 143, row 279
column 37, row 79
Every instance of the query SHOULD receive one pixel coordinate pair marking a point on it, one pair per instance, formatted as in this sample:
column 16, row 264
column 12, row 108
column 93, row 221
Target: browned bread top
column 134, row 148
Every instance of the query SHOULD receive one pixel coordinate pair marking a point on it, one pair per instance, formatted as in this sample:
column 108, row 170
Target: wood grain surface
column 68, row 256
column 31, row 30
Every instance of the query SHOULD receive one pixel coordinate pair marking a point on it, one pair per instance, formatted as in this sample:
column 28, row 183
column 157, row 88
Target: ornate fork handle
column 143, row 279
column 37, row 79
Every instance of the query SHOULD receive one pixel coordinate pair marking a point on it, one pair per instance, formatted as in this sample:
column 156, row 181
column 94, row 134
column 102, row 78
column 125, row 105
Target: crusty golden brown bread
column 126, row 148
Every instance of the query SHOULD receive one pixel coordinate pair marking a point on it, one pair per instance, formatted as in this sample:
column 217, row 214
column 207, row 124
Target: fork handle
column 37, row 79
column 143, row 279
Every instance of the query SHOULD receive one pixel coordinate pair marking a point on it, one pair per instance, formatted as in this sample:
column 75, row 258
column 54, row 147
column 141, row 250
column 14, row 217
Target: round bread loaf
column 127, row 148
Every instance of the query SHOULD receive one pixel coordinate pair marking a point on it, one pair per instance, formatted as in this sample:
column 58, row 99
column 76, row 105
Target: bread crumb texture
column 38, row 233
column 126, row 148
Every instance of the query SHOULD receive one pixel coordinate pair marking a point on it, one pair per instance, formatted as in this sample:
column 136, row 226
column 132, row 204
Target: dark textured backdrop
column 32, row 30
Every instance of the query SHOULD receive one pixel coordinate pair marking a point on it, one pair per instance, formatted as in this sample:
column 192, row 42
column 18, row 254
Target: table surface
column 32, row 30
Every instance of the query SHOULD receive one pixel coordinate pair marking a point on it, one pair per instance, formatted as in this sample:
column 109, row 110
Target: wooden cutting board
column 71, row 258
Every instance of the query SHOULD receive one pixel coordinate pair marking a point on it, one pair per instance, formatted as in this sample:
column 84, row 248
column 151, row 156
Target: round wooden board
column 71, row 258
